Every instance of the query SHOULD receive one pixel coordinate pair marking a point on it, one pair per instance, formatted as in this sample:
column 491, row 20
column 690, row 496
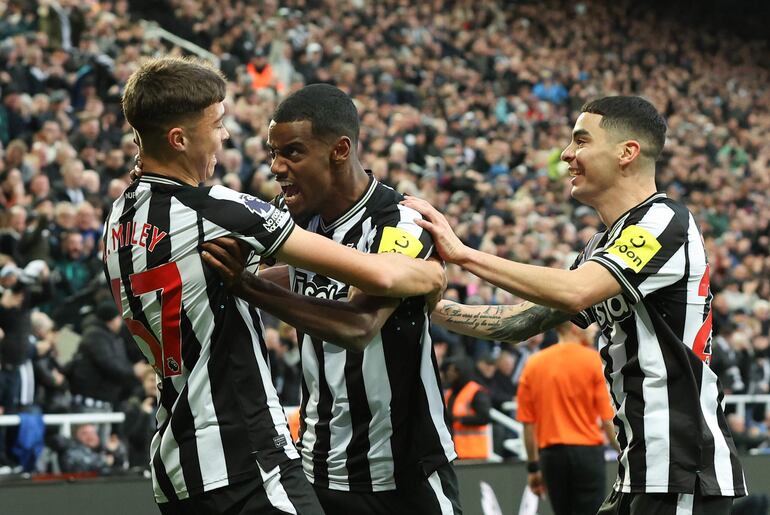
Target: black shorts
column 286, row 490
column 438, row 494
column 619, row 503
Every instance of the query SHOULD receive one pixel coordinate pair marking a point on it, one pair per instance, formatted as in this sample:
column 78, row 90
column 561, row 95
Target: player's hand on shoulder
column 227, row 257
column 449, row 246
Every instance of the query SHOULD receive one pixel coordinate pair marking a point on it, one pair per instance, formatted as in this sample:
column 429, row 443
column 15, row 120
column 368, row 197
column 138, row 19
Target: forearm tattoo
column 502, row 323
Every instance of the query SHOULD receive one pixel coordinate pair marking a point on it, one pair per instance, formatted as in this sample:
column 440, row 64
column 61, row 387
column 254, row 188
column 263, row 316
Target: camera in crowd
column 20, row 279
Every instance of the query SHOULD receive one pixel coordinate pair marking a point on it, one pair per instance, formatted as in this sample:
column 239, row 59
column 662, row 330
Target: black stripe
column 633, row 378
column 159, row 215
column 360, row 417
column 235, row 216
column 162, row 478
column 305, row 392
column 191, row 347
column 322, row 444
column 183, row 428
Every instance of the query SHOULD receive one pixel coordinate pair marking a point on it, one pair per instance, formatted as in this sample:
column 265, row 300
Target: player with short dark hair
column 223, row 445
column 645, row 281
column 374, row 436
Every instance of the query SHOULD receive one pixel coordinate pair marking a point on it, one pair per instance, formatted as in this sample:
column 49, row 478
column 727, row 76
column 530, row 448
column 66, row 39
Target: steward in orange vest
column 468, row 405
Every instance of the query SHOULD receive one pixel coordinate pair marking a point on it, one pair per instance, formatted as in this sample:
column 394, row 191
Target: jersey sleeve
column 225, row 212
column 647, row 253
column 398, row 233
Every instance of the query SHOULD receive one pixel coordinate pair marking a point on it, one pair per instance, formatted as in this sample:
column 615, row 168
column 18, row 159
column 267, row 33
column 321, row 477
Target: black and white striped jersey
column 375, row 420
column 656, row 348
column 219, row 419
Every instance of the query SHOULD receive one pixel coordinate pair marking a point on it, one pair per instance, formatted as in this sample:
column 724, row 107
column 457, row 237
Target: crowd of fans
column 467, row 104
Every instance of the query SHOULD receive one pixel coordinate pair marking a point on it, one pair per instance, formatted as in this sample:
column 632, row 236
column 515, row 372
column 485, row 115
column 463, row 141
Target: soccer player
column 222, row 444
column 645, row 281
column 374, row 436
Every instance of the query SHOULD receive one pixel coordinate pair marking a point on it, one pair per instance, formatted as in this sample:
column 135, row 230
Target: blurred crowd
column 465, row 103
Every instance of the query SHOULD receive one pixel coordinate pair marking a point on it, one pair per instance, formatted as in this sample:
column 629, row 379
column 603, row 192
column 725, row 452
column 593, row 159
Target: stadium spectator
column 468, row 405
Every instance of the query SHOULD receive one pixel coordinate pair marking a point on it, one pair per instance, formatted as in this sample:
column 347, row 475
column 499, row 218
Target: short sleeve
column 225, row 212
column 647, row 253
column 525, row 402
column 398, row 233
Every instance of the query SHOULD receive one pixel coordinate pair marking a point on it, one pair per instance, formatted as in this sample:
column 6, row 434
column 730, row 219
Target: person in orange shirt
column 561, row 397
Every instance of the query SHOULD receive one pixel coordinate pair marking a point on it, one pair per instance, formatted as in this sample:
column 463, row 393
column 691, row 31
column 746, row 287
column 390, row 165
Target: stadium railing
column 153, row 30
column 65, row 421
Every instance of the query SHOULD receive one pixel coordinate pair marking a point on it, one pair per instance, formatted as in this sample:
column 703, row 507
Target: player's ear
column 341, row 150
column 629, row 150
column 176, row 139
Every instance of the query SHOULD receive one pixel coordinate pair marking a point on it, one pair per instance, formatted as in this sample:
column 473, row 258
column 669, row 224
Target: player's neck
column 616, row 201
column 351, row 184
column 172, row 169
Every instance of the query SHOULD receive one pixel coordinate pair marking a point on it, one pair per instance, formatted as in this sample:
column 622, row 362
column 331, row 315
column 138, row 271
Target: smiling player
column 645, row 281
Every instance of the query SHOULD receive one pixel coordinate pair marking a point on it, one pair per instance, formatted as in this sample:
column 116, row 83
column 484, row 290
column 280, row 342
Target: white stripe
column 684, row 504
column 655, row 395
column 277, row 415
column 340, row 424
column 671, row 272
column 379, row 397
column 209, row 444
column 433, row 395
column 443, row 501
column 696, row 304
column 160, row 180
column 169, row 455
column 276, row 493
column 310, row 376
column 709, row 406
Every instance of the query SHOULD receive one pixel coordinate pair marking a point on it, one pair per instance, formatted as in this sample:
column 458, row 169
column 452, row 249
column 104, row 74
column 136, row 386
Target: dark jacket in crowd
column 101, row 369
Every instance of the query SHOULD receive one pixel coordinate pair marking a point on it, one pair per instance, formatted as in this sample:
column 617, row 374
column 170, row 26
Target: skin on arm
column 388, row 275
column 350, row 325
column 571, row 291
column 502, row 323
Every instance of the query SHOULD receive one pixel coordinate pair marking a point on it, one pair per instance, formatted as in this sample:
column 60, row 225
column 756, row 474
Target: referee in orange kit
column 561, row 397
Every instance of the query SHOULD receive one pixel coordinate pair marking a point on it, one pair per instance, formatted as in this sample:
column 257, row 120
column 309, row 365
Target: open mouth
column 289, row 190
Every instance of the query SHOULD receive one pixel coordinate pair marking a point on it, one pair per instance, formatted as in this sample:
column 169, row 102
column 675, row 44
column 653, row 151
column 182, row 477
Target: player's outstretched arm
column 385, row 275
column 502, row 323
column 571, row 291
column 350, row 325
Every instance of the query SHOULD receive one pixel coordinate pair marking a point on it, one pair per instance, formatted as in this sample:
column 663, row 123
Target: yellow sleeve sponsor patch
column 399, row 240
column 636, row 246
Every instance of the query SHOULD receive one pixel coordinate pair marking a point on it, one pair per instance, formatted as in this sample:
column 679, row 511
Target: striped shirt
column 219, row 420
column 656, row 348
column 375, row 420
